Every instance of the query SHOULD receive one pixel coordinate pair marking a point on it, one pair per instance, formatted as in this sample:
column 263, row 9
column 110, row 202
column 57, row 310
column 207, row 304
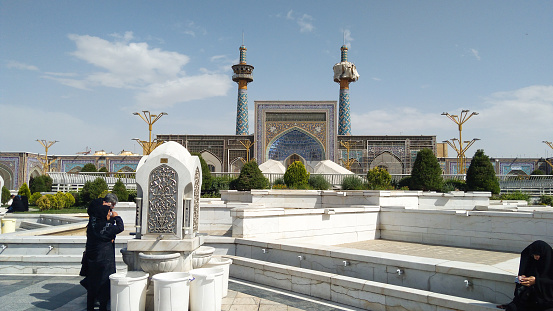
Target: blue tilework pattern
column 261, row 108
column 296, row 141
column 345, row 122
column 316, row 129
column 242, row 126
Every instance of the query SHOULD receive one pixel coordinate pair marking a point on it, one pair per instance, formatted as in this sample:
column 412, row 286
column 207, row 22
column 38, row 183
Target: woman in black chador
column 534, row 288
column 99, row 260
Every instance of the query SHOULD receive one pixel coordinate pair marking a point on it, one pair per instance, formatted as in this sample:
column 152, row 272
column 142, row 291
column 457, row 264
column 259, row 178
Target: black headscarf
column 541, row 269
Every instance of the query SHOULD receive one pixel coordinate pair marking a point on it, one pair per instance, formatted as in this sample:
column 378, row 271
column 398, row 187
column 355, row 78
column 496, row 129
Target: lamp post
column 46, row 145
column 550, row 144
column 460, row 149
column 247, row 144
column 149, row 146
column 349, row 161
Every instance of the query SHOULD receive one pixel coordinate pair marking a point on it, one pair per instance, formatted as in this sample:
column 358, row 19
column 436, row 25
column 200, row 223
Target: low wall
column 324, row 226
column 490, row 230
column 488, row 283
column 336, row 199
column 369, row 295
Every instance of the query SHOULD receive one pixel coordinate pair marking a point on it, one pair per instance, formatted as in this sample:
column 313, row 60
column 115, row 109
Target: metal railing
column 66, row 182
column 534, row 185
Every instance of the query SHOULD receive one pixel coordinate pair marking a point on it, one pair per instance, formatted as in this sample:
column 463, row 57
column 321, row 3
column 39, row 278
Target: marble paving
column 484, row 257
column 64, row 293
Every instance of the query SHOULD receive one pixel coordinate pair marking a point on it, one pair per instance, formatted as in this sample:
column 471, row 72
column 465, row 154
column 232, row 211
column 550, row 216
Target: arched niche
column 293, row 158
column 212, row 161
column 389, row 162
column 295, row 141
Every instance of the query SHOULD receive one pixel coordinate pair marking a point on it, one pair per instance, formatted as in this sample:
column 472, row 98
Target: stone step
column 347, row 290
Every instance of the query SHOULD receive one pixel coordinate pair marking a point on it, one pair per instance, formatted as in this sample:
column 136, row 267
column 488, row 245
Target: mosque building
column 285, row 131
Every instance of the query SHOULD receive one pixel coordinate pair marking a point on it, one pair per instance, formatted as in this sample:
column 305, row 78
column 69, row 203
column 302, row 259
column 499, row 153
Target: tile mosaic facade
column 276, row 137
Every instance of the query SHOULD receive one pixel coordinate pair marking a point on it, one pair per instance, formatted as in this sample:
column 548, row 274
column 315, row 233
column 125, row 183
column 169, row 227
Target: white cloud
column 155, row 75
column 305, row 21
column 509, row 124
column 184, row 89
column 347, row 37
column 127, row 65
column 21, row 66
column 475, row 53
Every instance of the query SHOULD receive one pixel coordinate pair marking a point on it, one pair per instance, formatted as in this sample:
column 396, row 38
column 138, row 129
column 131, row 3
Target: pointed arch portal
column 298, row 142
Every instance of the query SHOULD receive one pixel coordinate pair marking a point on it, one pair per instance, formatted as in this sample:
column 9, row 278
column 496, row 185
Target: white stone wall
column 325, row 226
column 491, row 230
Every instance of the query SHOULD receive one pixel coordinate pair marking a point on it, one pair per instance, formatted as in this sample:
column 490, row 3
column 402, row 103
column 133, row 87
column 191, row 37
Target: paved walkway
column 434, row 251
column 64, row 293
column 43, row 292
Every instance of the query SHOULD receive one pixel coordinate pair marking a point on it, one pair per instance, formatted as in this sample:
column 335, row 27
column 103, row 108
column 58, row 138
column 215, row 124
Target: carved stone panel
column 197, row 190
column 162, row 200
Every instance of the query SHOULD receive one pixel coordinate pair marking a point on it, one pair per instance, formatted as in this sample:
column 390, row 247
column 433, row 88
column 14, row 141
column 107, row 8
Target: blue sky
column 74, row 71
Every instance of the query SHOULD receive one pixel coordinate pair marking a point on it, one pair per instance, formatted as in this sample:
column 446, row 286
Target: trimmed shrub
column 426, row 174
column 104, row 170
column 42, row 183
column 516, row 195
column 481, row 175
column 69, row 200
column 5, row 195
column 296, row 176
column 352, row 183
column 318, row 182
column 250, row 178
column 545, row 200
column 132, row 195
column 537, row 172
column 35, row 196
column 404, row 183
column 89, row 167
column 120, row 191
column 61, row 198
column 54, row 202
column 24, row 190
column 454, row 185
column 43, row 203
column 218, row 184
column 379, row 179
column 103, row 194
column 92, row 190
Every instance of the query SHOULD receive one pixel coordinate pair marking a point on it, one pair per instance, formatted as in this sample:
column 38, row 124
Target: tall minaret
column 344, row 73
column 242, row 76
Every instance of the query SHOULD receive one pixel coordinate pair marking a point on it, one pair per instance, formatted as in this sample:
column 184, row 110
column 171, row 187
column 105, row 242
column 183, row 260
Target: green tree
column 92, row 189
column 120, row 191
column 42, row 183
column 24, row 190
column 379, row 179
column 250, row 178
column 5, row 195
column 481, row 175
column 296, row 176
column 426, row 174
column 537, row 172
column 89, row 167
column 206, row 173
column 104, row 170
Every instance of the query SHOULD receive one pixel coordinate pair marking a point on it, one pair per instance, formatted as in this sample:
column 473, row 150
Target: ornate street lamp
column 149, row 146
column 458, row 144
column 45, row 163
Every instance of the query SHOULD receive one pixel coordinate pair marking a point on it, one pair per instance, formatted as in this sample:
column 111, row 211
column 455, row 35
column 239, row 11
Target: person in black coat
column 99, row 260
column 534, row 288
